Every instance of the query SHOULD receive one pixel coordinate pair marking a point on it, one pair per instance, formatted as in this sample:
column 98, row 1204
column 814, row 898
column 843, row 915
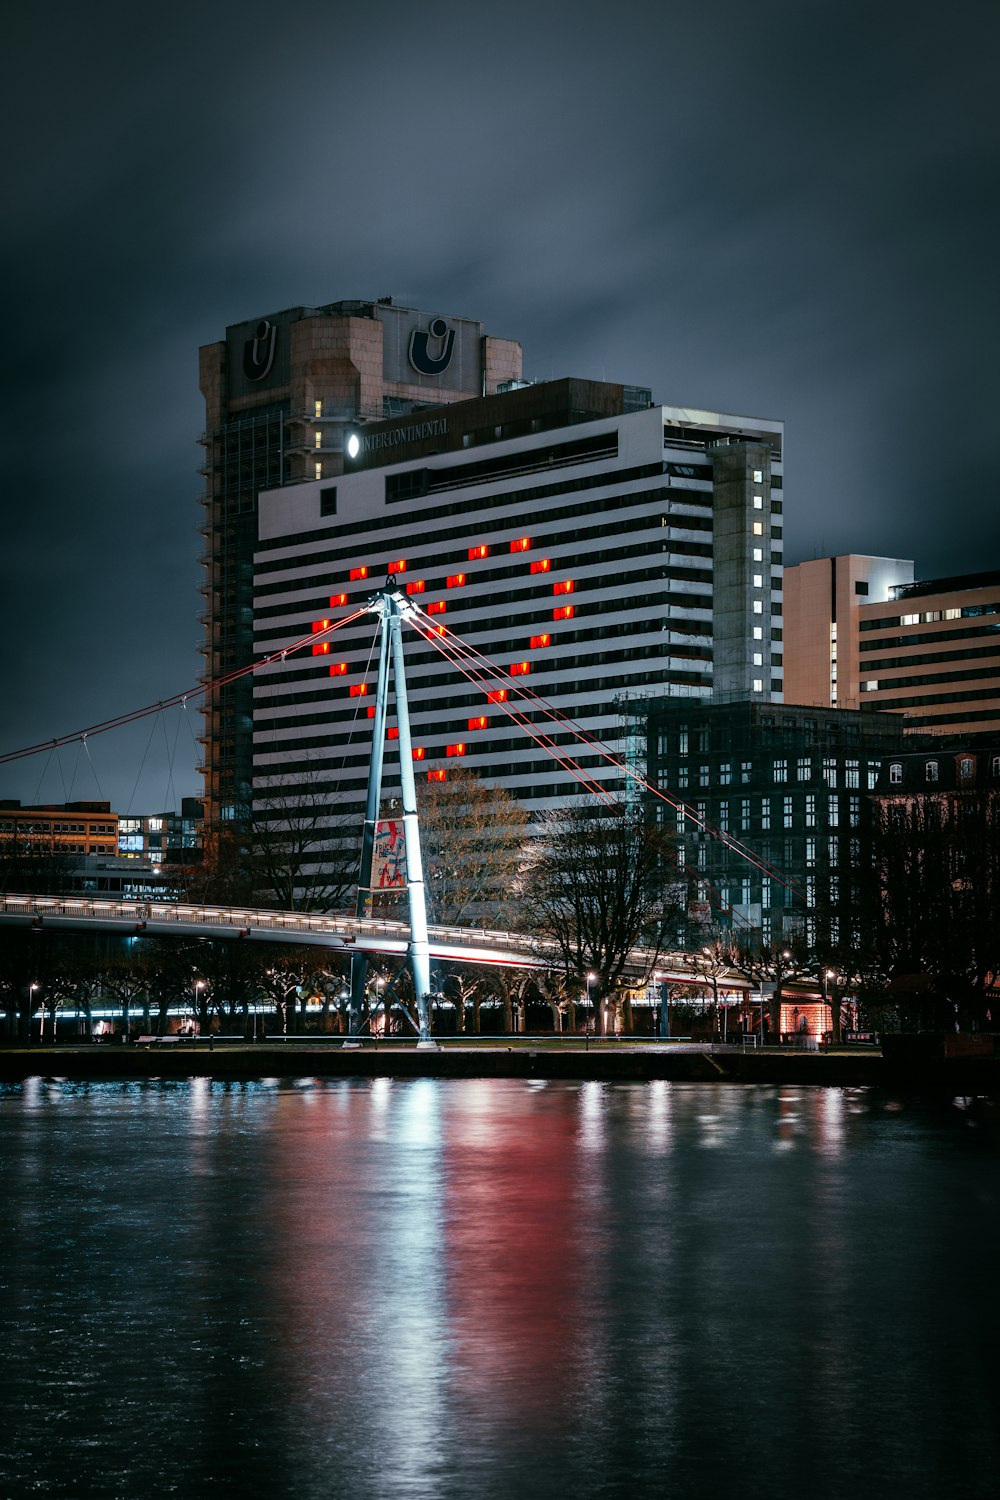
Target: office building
column 785, row 782
column 596, row 547
column 57, row 829
column 280, row 392
column 860, row 632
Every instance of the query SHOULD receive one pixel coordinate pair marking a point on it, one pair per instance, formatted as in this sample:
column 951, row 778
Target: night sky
column 784, row 210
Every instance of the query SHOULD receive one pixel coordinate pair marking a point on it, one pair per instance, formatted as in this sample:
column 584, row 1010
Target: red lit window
column 540, row 640
column 371, row 710
column 417, row 752
column 499, row 695
column 318, row 625
column 436, row 775
column 454, row 749
column 321, row 648
column 438, row 607
column 455, row 580
column 475, row 553
column 540, row 565
column 358, row 689
column 337, row 601
column 393, row 732
column 565, row 587
column 520, row 544
column 399, row 566
column 338, row 669
column 563, row 612
column 438, row 630
column 520, row 668
column 479, row 722
column 416, row 587
column 357, row 573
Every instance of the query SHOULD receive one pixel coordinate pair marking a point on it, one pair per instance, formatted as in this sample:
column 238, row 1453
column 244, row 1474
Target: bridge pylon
column 392, row 607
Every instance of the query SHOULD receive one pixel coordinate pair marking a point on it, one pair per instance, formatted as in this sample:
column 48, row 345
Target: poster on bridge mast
column 389, row 856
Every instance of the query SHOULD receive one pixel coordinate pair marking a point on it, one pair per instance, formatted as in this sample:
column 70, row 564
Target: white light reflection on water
column 447, row 1290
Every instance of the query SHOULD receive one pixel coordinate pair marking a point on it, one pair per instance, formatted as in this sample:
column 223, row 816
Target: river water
column 299, row 1288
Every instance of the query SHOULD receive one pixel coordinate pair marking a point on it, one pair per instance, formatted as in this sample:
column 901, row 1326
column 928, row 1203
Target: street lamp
column 31, row 1012
column 199, row 985
column 590, row 979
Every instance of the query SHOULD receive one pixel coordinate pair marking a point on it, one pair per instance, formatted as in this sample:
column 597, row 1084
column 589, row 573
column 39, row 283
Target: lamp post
column 31, row 1014
column 829, row 974
column 590, row 979
column 199, row 985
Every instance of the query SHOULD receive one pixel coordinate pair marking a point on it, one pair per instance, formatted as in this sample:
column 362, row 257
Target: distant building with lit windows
column 861, row 632
column 596, row 546
column 59, row 829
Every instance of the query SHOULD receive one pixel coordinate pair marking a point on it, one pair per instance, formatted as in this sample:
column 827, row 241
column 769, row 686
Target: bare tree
column 595, row 887
column 473, row 839
column 775, row 965
column 303, row 852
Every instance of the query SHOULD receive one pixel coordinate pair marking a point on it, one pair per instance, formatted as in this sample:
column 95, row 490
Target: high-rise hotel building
column 280, row 392
column 597, row 547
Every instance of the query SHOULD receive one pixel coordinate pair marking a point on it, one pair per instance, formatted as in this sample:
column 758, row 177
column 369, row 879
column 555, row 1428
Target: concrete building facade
column 824, row 600
column 280, row 392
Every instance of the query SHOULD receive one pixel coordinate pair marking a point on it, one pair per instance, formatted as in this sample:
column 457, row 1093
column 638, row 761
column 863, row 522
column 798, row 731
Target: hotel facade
column 597, row 548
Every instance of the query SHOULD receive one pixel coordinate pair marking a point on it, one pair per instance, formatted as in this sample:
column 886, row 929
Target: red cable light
column 540, row 565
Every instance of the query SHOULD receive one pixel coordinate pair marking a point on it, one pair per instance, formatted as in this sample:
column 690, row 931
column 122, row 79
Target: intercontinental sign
column 376, row 442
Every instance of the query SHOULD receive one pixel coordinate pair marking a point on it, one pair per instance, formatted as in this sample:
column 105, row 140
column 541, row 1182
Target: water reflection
column 495, row 1289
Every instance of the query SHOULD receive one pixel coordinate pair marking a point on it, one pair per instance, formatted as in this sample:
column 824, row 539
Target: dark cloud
column 785, row 210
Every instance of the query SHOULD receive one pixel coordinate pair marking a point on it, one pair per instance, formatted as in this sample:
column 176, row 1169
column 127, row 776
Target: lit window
column 416, row 587
column 953, row 614
column 319, row 470
column 758, row 554
column 476, row 553
column 358, row 689
column 438, row 630
column 758, row 658
column 319, row 438
column 758, row 528
column 455, row 580
column 357, row 573
column 436, row 775
column 758, row 502
column 321, row 648
column 520, row 668
column 458, row 749
column 337, row 601
column 370, row 710
column 540, row 565
column 758, row 607
column 498, row 695
column 758, row 684
column 317, row 409
column 758, row 580
column 318, row 625
column 896, row 773
column 910, row 620
column 931, row 771
column 393, row 732
column 436, row 607
column 399, row 566
column 539, row 640
column 564, row 587
column 758, row 476
column 758, row 633
column 564, row 612
column 338, row 669
column 520, row 544
column 417, row 752
column 479, row 722
column 966, row 768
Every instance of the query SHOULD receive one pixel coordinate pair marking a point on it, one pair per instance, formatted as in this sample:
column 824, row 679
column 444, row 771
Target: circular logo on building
column 431, row 350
